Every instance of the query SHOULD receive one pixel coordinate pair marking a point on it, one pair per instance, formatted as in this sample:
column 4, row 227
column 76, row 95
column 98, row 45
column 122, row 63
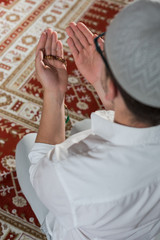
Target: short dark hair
column 141, row 112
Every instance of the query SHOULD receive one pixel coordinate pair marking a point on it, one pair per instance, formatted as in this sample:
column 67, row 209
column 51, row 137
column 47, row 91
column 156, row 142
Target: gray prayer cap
column 132, row 46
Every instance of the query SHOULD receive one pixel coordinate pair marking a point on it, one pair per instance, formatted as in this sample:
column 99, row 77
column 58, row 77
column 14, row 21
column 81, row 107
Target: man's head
column 132, row 48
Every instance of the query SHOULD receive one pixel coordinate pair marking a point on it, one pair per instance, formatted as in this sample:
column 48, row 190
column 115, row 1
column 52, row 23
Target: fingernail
column 43, row 33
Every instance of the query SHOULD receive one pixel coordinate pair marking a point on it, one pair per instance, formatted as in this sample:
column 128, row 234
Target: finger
column 39, row 62
column 76, row 41
column 59, row 49
column 72, row 47
column 79, row 34
column 48, row 44
column 42, row 42
column 87, row 33
column 54, row 43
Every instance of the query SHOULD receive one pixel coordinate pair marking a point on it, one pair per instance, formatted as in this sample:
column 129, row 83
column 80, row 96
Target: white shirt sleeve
column 47, row 183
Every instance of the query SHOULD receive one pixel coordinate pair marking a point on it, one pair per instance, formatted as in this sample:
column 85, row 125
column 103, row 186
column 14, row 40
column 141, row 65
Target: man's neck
column 124, row 117
column 131, row 123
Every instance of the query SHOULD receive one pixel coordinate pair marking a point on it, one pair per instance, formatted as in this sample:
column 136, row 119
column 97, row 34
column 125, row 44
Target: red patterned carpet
column 21, row 23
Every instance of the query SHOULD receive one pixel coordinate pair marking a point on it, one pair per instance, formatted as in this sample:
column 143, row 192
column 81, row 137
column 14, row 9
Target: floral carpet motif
column 21, row 23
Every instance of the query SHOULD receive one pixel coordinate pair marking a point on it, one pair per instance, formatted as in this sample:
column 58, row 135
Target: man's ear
column 111, row 90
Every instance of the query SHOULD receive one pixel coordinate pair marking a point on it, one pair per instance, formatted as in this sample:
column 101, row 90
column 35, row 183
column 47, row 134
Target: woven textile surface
column 21, row 23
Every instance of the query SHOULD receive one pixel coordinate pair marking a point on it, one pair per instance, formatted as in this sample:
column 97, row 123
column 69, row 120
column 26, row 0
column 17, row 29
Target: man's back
column 108, row 182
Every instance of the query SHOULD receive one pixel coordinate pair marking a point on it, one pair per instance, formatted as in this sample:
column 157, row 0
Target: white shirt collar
column 120, row 134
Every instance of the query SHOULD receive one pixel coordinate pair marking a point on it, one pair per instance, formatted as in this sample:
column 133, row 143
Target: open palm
column 87, row 59
column 50, row 72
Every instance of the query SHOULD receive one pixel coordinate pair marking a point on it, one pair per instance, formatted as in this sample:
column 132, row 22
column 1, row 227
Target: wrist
column 50, row 97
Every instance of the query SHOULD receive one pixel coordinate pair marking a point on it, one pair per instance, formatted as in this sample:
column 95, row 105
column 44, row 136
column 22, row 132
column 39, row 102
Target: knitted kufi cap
column 132, row 46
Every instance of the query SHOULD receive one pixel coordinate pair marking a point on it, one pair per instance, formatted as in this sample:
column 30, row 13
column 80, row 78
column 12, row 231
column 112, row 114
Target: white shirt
column 103, row 183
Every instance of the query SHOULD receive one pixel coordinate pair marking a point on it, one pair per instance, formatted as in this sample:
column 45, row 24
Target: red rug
column 21, row 23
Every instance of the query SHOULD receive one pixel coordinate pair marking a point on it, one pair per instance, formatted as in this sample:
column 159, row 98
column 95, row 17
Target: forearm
column 100, row 91
column 52, row 124
column 102, row 95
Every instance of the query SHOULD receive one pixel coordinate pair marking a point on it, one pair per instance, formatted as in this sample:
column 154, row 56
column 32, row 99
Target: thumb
column 100, row 41
column 40, row 66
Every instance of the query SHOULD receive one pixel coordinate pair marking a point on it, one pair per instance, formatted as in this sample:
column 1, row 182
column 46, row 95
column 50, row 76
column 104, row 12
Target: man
column 104, row 182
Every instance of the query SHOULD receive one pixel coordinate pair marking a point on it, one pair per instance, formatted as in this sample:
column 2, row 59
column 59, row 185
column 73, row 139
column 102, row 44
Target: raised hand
column 87, row 59
column 51, row 72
